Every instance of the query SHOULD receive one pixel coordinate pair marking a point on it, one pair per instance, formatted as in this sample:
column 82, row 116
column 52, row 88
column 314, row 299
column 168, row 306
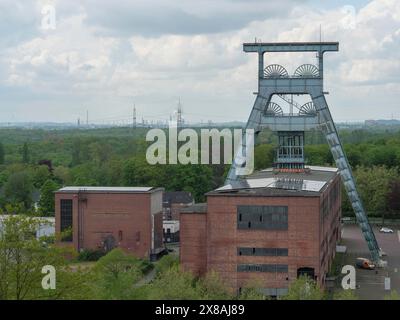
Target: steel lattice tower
column 306, row 80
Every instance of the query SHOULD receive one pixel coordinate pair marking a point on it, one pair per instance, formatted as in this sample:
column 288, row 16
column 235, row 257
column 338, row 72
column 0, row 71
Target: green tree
column 212, row 287
column 46, row 202
column 116, row 274
column 18, row 188
column 40, row 175
column 374, row 186
column 25, row 153
column 173, row 284
column 2, row 153
column 303, row 288
column 22, row 257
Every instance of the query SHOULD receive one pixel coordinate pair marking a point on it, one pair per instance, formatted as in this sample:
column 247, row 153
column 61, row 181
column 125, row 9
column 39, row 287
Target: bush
column 165, row 263
column 90, row 255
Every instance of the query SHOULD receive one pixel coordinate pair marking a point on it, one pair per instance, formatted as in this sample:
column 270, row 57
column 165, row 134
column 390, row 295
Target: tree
column 40, row 175
column 2, row 153
column 212, row 287
column 374, row 185
column 303, row 288
column 393, row 196
column 116, row 274
column 18, row 188
column 173, row 284
column 25, row 153
column 46, row 202
column 22, row 257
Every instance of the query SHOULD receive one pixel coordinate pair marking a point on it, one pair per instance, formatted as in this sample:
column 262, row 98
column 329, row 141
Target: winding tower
column 275, row 81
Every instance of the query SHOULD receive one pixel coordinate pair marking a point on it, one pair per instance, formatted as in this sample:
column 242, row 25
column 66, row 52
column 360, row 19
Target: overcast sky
column 104, row 56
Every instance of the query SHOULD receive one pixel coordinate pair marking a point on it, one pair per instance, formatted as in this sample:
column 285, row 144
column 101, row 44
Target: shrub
column 90, row 255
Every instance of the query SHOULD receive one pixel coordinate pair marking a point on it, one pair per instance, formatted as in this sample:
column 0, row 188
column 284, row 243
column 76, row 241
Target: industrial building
column 275, row 227
column 101, row 218
column 174, row 202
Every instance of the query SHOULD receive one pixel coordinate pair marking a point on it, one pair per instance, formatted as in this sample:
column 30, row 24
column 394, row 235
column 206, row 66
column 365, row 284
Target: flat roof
column 76, row 189
column 268, row 182
column 196, row 208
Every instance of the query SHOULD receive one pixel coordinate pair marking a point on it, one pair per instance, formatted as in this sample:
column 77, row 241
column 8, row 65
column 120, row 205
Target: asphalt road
column 370, row 283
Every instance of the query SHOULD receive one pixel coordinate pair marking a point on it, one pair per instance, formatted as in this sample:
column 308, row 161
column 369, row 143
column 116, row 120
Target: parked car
column 364, row 263
column 386, row 230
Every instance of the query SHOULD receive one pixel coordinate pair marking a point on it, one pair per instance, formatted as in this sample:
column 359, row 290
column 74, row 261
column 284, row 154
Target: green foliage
column 18, row 189
column 303, row 288
column 374, row 186
column 25, row 153
column 345, row 295
column 212, row 287
column 173, row 284
column 165, row 263
column 116, row 273
column 40, row 175
column 46, row 202
column 22, row 258
column 394, row 295
column 90, row 255
column 2, row 153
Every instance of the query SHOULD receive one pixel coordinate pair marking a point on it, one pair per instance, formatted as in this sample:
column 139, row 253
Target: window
column 138, row 236
column 66, row 218
column 274, row 252
column 120, row 235
column 262, row 217
column 281, row 268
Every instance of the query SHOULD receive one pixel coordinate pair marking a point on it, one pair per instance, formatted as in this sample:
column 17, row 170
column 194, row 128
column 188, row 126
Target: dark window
column 262, row 217
column 120, row 235
column 262, row 251
column 282, row 268
column 66, row 218
column 138, row 236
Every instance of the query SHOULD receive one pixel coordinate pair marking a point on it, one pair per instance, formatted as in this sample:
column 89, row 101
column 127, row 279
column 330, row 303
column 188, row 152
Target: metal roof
column 270, row 183
column 106, row 189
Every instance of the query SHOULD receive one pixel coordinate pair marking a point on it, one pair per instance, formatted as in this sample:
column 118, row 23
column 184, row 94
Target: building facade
column 272, row 229
column 174, row 202
column 102, row 218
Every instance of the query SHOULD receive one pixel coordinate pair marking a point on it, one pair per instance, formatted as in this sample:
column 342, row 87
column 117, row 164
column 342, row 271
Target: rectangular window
column 281, row 268
column 273, row 252
column 120, row 235
column 66, row 218
column 262, row 217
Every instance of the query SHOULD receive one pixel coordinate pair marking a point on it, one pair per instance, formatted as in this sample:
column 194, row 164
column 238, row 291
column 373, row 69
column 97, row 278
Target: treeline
column 34, row 163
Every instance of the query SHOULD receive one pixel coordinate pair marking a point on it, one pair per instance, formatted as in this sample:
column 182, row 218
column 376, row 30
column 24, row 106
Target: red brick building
column 273, row 228
column 108, row 217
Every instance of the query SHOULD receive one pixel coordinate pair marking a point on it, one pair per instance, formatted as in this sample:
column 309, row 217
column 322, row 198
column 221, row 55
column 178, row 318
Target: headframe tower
column 274, row 80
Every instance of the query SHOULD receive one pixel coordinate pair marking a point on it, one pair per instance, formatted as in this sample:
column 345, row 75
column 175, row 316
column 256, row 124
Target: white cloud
column 81, row 63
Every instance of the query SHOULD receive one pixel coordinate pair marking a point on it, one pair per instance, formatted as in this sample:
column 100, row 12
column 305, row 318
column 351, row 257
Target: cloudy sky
column 104, row 56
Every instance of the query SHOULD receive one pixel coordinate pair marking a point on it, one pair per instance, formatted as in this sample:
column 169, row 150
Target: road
column 370, row 283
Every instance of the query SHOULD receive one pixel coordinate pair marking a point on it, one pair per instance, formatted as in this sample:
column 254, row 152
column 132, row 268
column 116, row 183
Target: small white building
column 46, row 225
column 171, row 230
